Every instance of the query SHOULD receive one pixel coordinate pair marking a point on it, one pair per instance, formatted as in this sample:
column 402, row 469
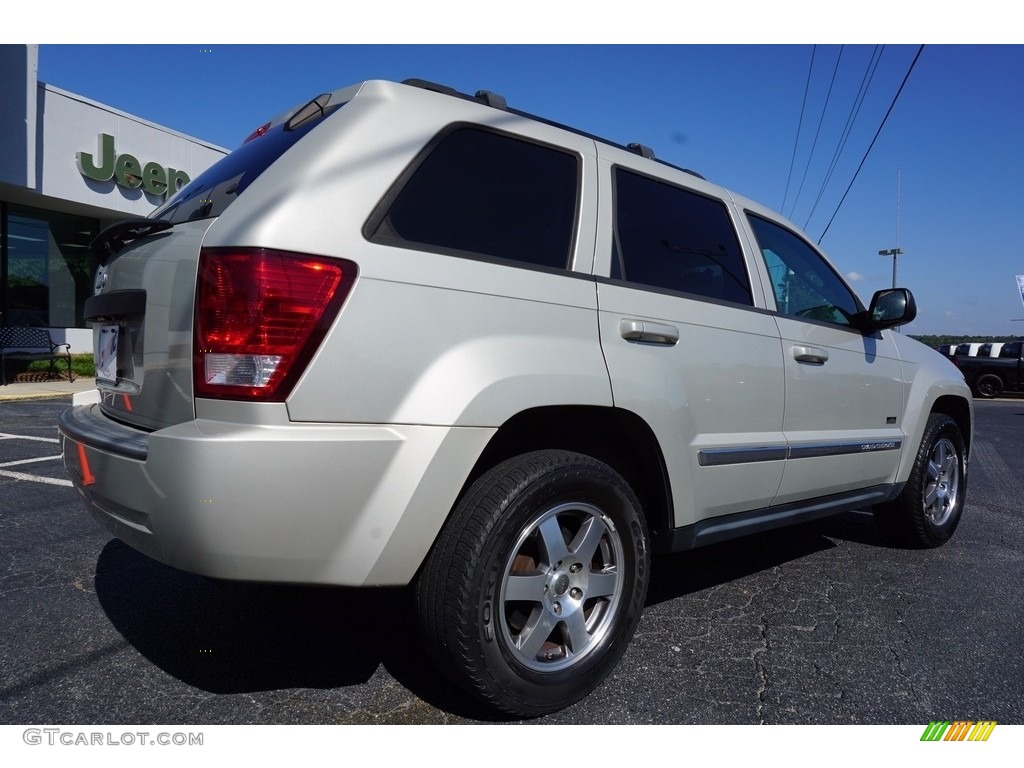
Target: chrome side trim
column 716, row 457
column 813, row 450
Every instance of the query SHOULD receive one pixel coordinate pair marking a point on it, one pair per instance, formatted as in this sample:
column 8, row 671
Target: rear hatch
column 144, row 310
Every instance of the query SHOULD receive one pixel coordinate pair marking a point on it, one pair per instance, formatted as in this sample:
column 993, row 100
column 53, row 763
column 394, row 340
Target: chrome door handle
column 646, row 331
column 811, row 355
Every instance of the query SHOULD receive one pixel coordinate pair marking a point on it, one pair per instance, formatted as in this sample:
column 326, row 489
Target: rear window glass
column 478, row 193
column 223, row 182
column 671, row 238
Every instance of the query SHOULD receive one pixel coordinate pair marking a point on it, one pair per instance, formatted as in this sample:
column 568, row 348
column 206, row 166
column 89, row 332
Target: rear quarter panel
column 424, row 338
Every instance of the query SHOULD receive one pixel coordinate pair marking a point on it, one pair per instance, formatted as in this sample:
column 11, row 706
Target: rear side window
column 477, row 193
column 668, row 237
column 1010, row 350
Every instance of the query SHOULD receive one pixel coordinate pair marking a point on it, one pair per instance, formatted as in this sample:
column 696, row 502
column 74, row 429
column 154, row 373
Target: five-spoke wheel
column 537, row 581
column 928, row 510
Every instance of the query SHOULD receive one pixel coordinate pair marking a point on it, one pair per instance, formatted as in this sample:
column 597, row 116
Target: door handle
column 648, row 332
column 811, row 355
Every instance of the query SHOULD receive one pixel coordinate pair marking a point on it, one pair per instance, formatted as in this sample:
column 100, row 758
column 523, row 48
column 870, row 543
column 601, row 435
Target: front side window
column 805, row 286
column 479, row 193
column 670, row 238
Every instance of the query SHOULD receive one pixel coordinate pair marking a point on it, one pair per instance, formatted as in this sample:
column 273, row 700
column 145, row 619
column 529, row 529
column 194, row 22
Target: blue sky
column 953, row 144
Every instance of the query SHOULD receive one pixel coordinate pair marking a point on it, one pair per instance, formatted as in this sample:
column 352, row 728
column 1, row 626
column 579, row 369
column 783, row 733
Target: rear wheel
column 536, row 584
column 928, row 510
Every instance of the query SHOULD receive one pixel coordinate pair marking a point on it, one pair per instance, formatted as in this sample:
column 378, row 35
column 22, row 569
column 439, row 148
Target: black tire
column 928, row 510
column 988, row 385
column 537, row 581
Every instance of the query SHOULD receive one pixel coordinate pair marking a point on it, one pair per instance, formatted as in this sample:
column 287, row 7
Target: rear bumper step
column 89, row 426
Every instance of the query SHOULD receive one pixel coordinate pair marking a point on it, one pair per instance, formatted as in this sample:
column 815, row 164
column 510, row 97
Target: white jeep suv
column 408, row 335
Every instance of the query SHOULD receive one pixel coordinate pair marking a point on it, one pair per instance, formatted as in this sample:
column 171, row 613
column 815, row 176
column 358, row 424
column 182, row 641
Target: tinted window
column 668, row 237
column 482, row 193
column 804, row 285
column 1010, row 350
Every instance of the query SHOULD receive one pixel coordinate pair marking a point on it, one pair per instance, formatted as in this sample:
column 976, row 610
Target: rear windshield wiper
column 108, row 243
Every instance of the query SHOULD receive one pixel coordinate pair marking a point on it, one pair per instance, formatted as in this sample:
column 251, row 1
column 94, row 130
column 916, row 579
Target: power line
column 858, row 102
column 817, row 133
column 868, row 151
column 799, row 126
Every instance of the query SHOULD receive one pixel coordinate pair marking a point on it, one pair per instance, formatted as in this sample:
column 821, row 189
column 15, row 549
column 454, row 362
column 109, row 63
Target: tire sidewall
column 581, row 482
column 944, row 428
column 994, row 390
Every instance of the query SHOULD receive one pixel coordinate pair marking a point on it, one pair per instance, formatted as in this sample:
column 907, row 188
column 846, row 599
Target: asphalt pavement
column 822, row 623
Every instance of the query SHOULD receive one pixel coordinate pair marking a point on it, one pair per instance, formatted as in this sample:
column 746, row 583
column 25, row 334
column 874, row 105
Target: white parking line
column 5, row 436
column 35, row 478
column 29, row 461
column 22, row 475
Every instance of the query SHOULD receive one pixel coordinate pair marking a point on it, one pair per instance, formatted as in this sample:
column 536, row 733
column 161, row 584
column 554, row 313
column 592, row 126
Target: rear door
column 687, row 341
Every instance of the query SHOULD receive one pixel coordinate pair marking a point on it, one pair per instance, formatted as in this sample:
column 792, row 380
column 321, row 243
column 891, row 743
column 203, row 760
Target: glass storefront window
column 49, row 271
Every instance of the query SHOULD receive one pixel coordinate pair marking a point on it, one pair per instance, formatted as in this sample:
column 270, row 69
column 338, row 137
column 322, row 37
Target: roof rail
column 489, row 98
column 497, row 101
column 426, row 85
column 640, row 149
column 492, row 99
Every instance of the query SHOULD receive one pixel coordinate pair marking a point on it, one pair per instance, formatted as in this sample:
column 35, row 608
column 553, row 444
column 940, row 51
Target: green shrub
column 82, row 365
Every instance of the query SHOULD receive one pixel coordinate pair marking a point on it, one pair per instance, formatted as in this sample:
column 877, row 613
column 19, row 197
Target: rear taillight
column 260, row 317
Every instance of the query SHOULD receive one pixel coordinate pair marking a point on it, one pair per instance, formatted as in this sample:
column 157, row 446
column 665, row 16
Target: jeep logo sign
column 128, row 171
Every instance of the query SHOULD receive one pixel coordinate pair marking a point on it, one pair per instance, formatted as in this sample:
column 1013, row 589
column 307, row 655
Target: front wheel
column 536, row 584
column 928, row 510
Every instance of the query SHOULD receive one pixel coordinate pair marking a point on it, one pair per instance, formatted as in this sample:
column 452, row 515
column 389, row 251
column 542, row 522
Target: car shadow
column 684, row 573
column 233, row 637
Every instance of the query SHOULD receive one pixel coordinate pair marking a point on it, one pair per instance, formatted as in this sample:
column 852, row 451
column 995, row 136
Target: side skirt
column 716, row 529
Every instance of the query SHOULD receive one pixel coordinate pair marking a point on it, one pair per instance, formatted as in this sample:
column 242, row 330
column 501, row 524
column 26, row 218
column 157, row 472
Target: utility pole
column 894, row 252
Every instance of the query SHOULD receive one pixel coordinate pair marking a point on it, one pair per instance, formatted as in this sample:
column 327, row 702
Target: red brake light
column 257, row 133
column 260, row 316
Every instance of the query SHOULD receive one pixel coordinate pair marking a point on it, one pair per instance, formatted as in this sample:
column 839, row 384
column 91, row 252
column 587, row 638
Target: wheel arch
column 960, row 410
column 615, row 436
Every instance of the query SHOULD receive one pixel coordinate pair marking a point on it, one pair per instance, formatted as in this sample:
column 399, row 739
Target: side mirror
column 890, row 307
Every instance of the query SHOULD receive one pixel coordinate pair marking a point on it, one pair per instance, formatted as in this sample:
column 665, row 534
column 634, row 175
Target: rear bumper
column 349, row 505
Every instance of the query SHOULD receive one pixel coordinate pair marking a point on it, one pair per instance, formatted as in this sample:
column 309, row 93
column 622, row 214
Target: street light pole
column 894, row 252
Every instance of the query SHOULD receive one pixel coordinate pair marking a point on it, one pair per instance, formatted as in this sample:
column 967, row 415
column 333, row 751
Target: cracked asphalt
column 823, row 623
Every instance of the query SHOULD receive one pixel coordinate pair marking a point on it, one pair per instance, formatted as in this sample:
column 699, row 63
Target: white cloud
column 854, row 277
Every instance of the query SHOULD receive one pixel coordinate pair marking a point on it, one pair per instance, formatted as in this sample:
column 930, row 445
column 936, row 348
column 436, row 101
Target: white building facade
column 70, row 167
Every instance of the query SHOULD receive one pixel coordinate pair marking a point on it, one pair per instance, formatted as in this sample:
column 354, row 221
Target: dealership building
column 70, row 166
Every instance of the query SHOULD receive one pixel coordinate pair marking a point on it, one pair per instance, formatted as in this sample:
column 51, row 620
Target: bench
column 19, row 343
